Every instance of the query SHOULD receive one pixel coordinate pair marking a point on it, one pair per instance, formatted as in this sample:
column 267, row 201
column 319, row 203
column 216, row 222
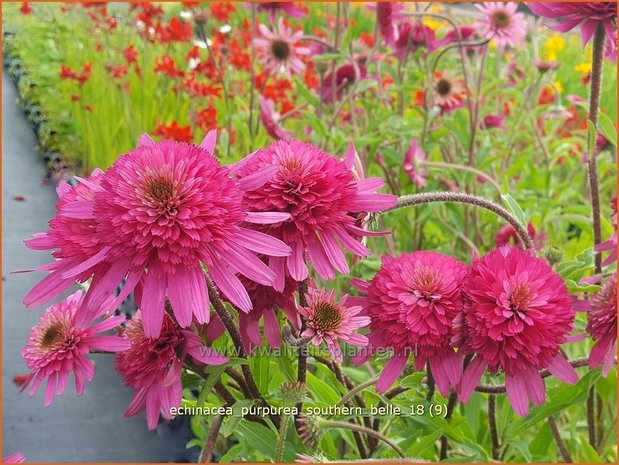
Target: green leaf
column 587, row 453
column 515, row 208
column 412, row 381
column 321, row 390
column 261, row 438
column 365, row 85
column 424, row 442
column 607, row 128
column 214, row 373
column 238, row 450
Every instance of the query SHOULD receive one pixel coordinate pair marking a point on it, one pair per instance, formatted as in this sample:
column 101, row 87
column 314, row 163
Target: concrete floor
column 73, row 429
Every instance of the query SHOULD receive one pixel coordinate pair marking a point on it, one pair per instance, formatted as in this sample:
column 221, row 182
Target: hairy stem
column 457, row 197
column 494, row 435
column 364, row 430
column 357, row 389
column 451, row 403
column 555, row 432
column 211, row 439
column 281, row 440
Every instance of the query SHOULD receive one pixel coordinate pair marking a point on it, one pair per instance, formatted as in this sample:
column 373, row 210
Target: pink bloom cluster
column 508, row 310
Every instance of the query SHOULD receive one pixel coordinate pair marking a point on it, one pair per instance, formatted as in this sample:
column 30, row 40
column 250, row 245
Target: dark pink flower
column 507, row 235
column 59, row 344
column 517, row 313
column 412, row 301
column 333, row 84
column 289, row 8
column 386, row 15
column 501, row 22
column 320, row 193
column 411, row 37
column 329, row 321
column 448, row 92
column 412, row 158
column 270, row 119
column 587, row 15
column 602, row 326
column 152, row 366
column 466, row 33
column 493, row 122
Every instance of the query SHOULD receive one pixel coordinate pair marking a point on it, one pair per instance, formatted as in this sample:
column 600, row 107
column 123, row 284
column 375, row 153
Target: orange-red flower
column 174, row 131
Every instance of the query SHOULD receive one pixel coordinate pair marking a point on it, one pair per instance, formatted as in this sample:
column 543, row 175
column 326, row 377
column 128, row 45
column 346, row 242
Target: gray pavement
column 73, row 429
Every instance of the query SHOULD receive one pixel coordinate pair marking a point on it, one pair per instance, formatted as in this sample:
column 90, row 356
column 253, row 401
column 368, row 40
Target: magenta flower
column 320, row 193
column 60, row 342
column 333, row 84
column 412, row 301
column 602, row 326
column 587, row 15
column 507, row 235
column 466, row 33
column 517, row 313
column 501, row 22
column 448, row 92
column 412, row 37
column 611, row 243
column 17, row 457
column 270, row 119
column 279, row 50
column 412, row 158
column 152, row 366
column 329, row 321
column 164, row 210
column 493, row 122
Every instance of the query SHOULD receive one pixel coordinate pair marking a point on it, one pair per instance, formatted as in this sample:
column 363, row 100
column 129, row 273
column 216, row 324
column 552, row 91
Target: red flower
column 367, row 38
column 176, row 31
column 167, row 66
column 196, row 89
column 25, row 9
column 207, row 119
column 67, row 73
column 221, row 11
column 174, row 131
column 117, row 71
column 131, row 55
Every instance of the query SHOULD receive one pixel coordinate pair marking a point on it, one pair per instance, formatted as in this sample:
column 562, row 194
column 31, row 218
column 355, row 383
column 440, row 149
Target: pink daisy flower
column 152, row 366
column 602, row 326
column 320, row 193
column 517, row 313
column 166, row 209
column 587, row 15
column 448, row 92
column 412, row 301
column 280, row 50
column 17, row 457
column 502, row 23
column 413, row 156
column 72, row 238
column 493, row 122
column 329, row 321
column 271, row 120
column 611, row 243
column 60, row 342
column 334, row 83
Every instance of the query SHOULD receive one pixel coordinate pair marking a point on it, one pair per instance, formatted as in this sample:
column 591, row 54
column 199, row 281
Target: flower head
column 280, row 50
column 412, row 301
column 152, row 366
column 164, row 210
column 59, row 344
column 448, row 92
column 602, row 325
column 412, row 37
column 413, row 156
column 320, row 193
column 501, row 22
column 587, row 15
column 270, row 119
column 386, row 14
column 493, row 122
column 516, row 314
column 289, row 8
column 336, row 81
column 330, row 321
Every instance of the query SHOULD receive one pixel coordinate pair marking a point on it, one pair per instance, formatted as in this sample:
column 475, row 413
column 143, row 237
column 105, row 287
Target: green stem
column 364, row 430
column 281, row 440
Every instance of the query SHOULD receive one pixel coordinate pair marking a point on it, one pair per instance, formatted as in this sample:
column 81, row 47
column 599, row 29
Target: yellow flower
column 583, row 68
column 558, row 86
column 553, row 45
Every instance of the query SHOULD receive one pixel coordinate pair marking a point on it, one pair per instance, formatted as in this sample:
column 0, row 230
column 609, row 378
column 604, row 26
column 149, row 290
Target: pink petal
column 391, row 371
column 349, row 156
column 296, row 262
column 79, row 209
column 87, row 264
column 320, row 261
column 188, row 295
column 334, row 253
column 46, row 289
column 194, row 347
column 145, row 140
column 516, row 388
column 609, row 360
column 209, row 141
column 263, row 243
column 534, row 384
column 108, row 343
column 231, row 286
column 258, row 178
column 561, row 369
column 266, row 217
column 278, row 265
column 152, row 304
column 40, row 241
column 470, row 378
column 248, row 265
column 271, row 328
